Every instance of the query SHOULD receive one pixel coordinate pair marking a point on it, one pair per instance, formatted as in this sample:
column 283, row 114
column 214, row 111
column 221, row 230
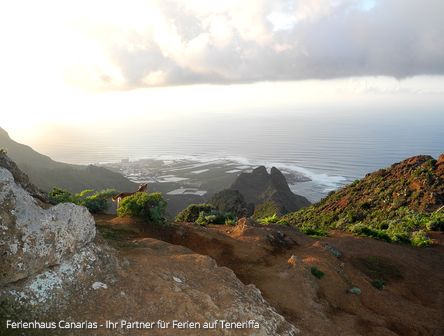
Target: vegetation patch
column 378, row 284
column 313, row 232
column 266, row 209
column 391, row 204
column 204, row 214
column 273, row 219
column 94, row 201
column 420, row 239
column 149, row 206
column 216, row 217
column 192, row 212
column 316, row 272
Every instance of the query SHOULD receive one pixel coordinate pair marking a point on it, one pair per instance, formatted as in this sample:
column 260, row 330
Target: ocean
column 332, row 149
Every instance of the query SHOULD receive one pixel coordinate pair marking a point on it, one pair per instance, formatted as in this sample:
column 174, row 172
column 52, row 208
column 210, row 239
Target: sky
column 89, row 61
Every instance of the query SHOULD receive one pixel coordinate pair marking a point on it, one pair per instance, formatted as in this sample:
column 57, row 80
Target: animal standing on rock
column 119, row 197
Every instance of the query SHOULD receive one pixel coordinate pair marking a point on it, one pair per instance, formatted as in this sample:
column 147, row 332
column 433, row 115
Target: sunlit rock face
column 33, row 238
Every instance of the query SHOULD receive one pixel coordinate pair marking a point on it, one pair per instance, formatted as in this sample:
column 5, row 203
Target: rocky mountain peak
column 259, row 186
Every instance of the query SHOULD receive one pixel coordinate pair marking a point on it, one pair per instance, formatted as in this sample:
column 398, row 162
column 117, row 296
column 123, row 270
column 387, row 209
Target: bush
column 436, row 222
column 316, row 272
column 150, row 207
column 378, row 283
column 201, row 220
column 269, row 220
column 420, row 239
column 95, row 202
column 364, row 230
column 266, row 209
column 204, row 214
column 57, row 196
column 192, row 212
column 215, row 217
column 310, row 231
column 230, row 221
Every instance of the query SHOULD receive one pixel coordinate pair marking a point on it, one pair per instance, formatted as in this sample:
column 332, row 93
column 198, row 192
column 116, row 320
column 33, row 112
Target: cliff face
column 258, row 187
column 54, row 267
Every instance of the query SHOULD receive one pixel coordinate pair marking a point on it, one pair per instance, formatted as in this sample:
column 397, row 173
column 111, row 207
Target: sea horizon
column 330, row 149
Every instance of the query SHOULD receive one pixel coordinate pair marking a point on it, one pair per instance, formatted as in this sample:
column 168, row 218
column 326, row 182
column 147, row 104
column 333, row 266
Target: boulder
column 33, row 238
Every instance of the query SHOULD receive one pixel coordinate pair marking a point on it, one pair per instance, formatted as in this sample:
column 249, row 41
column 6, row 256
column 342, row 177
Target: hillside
column 363, row 279
column 46, row 173
column 56, row 266
column 268, row 190
column 390, row 203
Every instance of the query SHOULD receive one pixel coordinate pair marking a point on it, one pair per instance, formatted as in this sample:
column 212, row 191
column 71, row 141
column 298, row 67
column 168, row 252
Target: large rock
column 33, row 238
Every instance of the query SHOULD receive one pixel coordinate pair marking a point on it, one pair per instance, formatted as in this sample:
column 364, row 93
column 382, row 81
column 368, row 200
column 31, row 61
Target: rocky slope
column 368, row 287
column 55, row 268
column 47, row 173
column 389, row 204
column 260, row 188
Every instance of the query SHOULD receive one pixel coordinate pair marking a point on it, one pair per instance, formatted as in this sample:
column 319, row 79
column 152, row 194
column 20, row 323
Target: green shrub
column 436, row 222
column 378, row 283
column 365, row 230
column 313, row 232
column 266, row 209
column 192, row 212
column 282, row 221
column 230, row 221
column 201, row 220
column 215, row 217
column 149, row 206
column 58, row 195
column 273, row 219
column 316, row 272
column 420, row 239
column 95, row 202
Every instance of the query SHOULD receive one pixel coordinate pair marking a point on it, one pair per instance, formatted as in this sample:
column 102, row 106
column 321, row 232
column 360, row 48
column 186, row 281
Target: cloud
column 141, row 43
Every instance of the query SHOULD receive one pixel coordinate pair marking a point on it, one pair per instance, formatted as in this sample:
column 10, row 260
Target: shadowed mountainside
column 46, row 173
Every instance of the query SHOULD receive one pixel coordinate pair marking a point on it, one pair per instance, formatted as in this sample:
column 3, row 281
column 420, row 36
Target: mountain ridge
column 47, row 173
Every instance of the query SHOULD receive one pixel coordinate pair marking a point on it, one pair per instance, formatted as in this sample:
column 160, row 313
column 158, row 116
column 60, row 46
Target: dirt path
column 411, row 302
